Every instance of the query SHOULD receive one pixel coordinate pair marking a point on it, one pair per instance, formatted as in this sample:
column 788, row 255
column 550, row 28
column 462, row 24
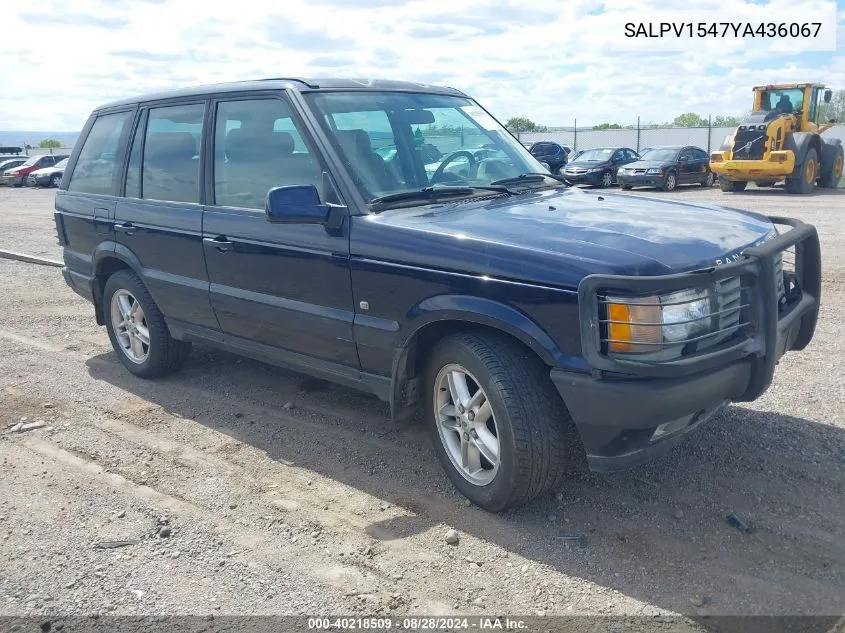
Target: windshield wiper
column 529, row 177
column 433, row 193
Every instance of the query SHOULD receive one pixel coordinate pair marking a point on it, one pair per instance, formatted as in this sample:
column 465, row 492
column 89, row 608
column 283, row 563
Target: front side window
column 96, row 166
column 258, row 145
column 170, row 168
column 394, row 142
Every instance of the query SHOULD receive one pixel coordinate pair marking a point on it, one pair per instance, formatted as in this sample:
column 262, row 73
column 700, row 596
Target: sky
column 553, row 61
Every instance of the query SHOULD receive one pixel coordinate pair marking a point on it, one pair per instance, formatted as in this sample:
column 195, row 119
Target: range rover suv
column 537, row 326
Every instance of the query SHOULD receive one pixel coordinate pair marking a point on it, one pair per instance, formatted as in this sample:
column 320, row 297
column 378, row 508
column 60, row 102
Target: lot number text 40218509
column 722, row 29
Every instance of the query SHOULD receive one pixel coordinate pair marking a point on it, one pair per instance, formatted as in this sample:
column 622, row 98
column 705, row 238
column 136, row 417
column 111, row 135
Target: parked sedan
column 17, row 176
column 9, row 163
column 48, row 176
column 668, row 167
column 598, row 166
column 553, row 154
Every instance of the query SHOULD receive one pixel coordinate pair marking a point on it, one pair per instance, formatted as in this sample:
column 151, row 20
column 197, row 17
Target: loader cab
column 803, row 101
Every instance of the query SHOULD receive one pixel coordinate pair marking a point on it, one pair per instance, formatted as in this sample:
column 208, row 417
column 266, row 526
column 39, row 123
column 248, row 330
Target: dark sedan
column 668, row 167
column 553, row 154
column 598, row 166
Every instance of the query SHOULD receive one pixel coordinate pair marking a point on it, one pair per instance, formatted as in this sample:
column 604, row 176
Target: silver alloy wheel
column 56, row 180
column 130, row 326
column 466, row 424
column 670, row 182
column 607, row 179
column 710, row 179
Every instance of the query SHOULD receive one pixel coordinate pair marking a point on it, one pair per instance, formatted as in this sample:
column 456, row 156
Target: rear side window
column 96, row 166
column 170, row 145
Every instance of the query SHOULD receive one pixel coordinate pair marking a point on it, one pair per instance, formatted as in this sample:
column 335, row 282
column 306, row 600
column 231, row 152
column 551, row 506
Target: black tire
column 709, row 179
column 807, row 174
column 627, row 187
column 832, row 166
column 537, row 440
column 165, row 354
column 606, row 179
column 55, row 180
column 732, row 185
column 670, row 182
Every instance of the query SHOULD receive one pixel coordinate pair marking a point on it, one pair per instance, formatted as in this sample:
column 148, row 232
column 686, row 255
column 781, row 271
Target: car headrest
column 166, row 147
column 355, row 141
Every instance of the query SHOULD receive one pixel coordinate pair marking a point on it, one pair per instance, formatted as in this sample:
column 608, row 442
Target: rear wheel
column 807, row 175
column 709, row 179
column 732, row 185
column 670, row 182
column 137, row 329
column 832, row 167
column 498, row 425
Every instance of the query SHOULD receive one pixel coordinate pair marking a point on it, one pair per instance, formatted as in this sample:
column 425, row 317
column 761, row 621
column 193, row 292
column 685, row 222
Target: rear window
column 96, row 167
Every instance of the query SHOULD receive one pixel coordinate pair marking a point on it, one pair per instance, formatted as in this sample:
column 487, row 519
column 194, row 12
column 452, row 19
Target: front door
column 275, row 288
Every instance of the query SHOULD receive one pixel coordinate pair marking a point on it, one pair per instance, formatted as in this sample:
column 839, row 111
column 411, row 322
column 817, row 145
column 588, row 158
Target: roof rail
column 296, row 79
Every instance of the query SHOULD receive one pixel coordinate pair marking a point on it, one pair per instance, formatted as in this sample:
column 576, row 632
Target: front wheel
column 606, row 179
column 499, row 427
column 670, row 182
column 709, row 179
column 807, row 176
column 137, row 329
column 732, row 185
column 55, row 180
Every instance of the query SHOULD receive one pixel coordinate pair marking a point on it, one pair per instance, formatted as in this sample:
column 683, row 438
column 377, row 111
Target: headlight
column 644, row 324
column 659, row 172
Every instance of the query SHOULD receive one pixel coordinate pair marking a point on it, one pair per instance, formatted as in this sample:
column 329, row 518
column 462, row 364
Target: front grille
column 749, row 142
column 728, row 311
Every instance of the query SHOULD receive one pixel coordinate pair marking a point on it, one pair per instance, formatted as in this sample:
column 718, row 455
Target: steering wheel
column 441, row 168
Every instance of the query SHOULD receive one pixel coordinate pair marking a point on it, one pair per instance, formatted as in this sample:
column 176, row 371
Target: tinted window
column 686, row 155
column 170, row 169
column 700, row 154
column 631, row 154
column 258, row 146
column 540, row 148
column 96, row 166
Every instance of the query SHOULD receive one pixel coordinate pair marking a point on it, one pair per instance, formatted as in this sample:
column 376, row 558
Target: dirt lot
column 287, row 495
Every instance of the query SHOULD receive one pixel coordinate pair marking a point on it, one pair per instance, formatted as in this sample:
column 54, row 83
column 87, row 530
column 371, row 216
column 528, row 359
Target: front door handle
column 220, row 243
column 126, row 227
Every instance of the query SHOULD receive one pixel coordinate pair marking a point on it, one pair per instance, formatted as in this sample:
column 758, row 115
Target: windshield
column 396, row 142
column 62, row 163
column 595, row 155
column 669, row 155
column 31, row 161
column 783, row 101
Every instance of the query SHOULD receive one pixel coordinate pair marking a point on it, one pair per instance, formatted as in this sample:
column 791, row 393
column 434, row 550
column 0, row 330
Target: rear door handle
column 126, row 227
column 220, row 243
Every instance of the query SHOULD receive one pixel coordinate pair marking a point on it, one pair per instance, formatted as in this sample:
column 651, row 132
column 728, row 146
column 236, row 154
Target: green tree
column 833, row 110
column 517, row 124
column 49, row 143
column 607, row 126
column 725, row 121
column 689, row 119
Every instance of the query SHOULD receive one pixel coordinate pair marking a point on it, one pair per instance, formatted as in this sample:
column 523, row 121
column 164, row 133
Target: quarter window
column 258, row 145
column 96, row 166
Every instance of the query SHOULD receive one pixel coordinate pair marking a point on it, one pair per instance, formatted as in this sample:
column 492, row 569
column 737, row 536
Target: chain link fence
column 638, row 139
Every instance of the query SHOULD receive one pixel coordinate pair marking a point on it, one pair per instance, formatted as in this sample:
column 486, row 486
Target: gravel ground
column 246, row 489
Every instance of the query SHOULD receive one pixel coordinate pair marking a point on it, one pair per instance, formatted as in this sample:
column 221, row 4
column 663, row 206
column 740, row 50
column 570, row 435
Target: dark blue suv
column 309, row 224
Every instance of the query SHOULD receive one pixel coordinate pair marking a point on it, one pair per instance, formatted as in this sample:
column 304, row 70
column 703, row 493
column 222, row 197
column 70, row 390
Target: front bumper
column 12, row 180
column 640, row 180
column 583, row 179
column 755, row 169
column 628, row 410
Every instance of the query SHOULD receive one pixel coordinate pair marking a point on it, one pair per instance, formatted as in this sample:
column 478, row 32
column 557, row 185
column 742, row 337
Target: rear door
column 687, row 166
column 158, row 222
column 85, row 209
column 275, row 288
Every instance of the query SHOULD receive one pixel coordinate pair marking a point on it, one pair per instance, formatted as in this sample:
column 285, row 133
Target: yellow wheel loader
column 781, row 140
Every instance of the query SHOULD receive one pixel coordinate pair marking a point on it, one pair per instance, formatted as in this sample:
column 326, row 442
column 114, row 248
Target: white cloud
column 550, row 60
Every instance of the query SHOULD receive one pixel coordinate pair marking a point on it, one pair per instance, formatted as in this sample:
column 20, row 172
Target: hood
column 588, row 164
column 558, row 236
column 648, row 164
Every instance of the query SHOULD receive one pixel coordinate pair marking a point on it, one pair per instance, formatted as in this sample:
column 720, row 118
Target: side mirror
column 828, row 95
column 295, row 204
